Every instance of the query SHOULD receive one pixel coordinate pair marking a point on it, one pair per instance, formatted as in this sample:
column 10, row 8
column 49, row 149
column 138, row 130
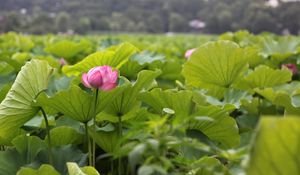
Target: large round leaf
column 220, row 63
column 16, row 109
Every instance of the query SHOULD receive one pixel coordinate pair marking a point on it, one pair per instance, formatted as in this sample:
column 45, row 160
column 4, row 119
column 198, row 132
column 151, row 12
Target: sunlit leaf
column 276, row 147
column 263, row 76
column 253, row 56
column 219, row 63
column 112, row 58
column 74, row 169
column 43, row 170
column 16, row 109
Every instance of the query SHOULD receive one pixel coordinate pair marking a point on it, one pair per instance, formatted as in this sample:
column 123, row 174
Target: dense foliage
column 154, row 16
column 230, row 108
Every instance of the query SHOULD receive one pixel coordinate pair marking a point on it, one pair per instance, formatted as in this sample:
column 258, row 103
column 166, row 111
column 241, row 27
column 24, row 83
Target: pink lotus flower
column 291, row 67
column 62, row 62
column 189, row 53
column 100, row 77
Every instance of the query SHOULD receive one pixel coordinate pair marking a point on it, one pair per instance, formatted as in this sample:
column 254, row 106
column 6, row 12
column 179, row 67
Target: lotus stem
column 88, row 141
column 120, row 135
column 94, row 129
column 48, row 136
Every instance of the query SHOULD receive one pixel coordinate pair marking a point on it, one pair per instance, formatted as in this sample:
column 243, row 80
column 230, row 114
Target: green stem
column 120, row 135
column 88, row 142
column 2, row 148
column 94, row 128
column 48, row 136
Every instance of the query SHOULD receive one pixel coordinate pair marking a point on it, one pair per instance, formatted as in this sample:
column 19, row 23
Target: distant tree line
column 153, row 16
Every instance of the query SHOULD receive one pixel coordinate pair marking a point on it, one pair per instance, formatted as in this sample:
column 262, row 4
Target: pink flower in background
column 291, row 67
column 197, row 24
column 272, row 3
column 62, row 62
column 189, row 53
column 100, row 77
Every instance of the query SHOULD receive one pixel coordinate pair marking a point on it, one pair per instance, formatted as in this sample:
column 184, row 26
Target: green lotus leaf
column 139, row 61
column 127, row 101
column 264, row 76
column 65, row 135
column 63, row 154
column 43, row 170
column 74, row 169
column 232, row 99
column 209, row 166
column 253, row 57
column 276, row 147
column 108, row 57
column 64, row 49
column 219, row 63
column 106, row 140
column 286, row 95
column 222, row 129
column 25, row 153
column 78, row 104
column 4, row 90
column 179, row 101
column 281, row 49
column 17, row 108
column 5, row 68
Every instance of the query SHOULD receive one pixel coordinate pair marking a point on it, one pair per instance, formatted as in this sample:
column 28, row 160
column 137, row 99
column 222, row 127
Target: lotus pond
column 142, row 105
